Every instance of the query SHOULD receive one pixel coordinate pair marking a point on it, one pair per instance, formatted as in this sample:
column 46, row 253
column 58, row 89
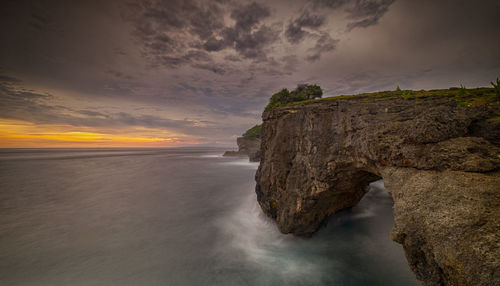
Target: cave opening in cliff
column 354, row 192
column 371, row 212
column 352, row 187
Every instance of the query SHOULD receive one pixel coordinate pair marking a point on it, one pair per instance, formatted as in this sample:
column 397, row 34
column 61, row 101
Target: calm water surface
column 173, row 217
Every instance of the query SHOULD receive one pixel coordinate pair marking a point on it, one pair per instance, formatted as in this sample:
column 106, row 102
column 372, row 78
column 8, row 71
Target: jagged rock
column 440, row 163
column 247, row 146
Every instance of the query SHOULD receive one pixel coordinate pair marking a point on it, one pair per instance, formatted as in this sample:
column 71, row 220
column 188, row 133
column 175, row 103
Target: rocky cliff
column 247, row 146
column 439, row 156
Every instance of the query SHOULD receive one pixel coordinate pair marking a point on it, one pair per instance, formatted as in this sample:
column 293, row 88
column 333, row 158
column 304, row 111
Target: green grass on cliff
column 496, row 117
column 254, row 131
column 465, row 97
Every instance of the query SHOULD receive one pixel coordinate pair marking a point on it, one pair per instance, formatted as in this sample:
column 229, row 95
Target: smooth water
column 173, row 217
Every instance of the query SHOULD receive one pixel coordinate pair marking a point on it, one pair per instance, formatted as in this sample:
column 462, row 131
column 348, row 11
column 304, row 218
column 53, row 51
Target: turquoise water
column 173, row 217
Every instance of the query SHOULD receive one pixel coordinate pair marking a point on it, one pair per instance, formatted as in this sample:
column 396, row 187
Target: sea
column 174, row 216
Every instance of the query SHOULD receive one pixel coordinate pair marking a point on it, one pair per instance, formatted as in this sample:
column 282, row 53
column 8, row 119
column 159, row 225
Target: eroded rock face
column 440, row 163
column 247, row 146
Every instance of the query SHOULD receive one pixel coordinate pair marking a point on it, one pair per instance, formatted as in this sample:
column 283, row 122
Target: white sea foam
column 212, row 156
column 378, row 185
column 242, row 162
column 367, row 210
column 258, row 238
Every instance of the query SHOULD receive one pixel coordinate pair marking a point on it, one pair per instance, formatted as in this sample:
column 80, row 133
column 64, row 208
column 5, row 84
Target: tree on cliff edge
column 302, row 92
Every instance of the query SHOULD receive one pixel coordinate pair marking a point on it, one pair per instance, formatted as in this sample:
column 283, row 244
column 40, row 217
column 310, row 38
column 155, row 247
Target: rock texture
column 247, row 146
column 440, row 163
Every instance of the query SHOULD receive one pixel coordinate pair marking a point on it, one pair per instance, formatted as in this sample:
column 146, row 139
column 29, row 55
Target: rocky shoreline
column 247, row 146
column 439, row 158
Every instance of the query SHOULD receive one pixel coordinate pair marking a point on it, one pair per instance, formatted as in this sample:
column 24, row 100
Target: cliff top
column 465, row 97
column 437, row 152
column 253, row 132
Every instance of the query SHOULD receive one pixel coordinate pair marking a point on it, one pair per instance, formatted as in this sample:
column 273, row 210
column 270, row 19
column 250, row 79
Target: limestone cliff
column 439, row 158
column 247, row 146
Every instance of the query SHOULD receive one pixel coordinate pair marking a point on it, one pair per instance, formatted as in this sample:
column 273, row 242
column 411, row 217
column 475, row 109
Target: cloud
column 19, row 103
column 290, row 63
column 333, row 4
column 173, row 32
column 248, row 37
column 248, row 16
column 119, row 74
column 367, row 12
column 325, row 43
column 295, row 32
column 7, row 80
column 177, row 33
column 169, row 30
column 212, row 67
column 250, row 44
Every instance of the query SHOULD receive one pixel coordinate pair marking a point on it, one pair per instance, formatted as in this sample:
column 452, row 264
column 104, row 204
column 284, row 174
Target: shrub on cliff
column 406, row 95
column 253, row 132
column 462, row 91
column 302, row 92
column 279, row 98
column 308, row 91
column 496, row 87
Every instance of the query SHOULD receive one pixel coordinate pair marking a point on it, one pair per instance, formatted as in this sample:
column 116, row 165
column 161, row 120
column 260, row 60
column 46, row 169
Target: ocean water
column 174, row 217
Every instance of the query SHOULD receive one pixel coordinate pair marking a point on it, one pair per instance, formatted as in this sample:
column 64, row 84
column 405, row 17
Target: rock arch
column 436, row 161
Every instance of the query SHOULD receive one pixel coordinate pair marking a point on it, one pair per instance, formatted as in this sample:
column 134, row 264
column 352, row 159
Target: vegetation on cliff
column 253, row 132
column 301, row 93
column 496, row 87
column 465, row 97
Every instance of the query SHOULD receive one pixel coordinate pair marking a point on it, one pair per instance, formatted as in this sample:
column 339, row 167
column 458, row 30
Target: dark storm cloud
column 364, row 13
column 192, row 56
column 212, row 67
column 22, row 104
column 119, row 74
column 92, row 113
column 324, row 44
column 367, row 12
column 181, row 32
column 247, row 16
column 333, row 4
column 11, row 94
column 7, row 80
column 250, row 44
column 161, row 25
column 246, row 37
column 295, row 32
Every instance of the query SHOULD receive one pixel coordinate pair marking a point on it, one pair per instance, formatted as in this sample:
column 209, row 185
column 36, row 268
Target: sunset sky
column 176, row 73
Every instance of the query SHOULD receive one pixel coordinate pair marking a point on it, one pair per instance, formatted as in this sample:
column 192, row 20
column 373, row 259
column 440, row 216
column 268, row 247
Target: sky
column 154, row 73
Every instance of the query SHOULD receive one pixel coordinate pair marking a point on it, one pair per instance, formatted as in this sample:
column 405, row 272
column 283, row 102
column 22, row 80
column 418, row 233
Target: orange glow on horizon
column 23, row 134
